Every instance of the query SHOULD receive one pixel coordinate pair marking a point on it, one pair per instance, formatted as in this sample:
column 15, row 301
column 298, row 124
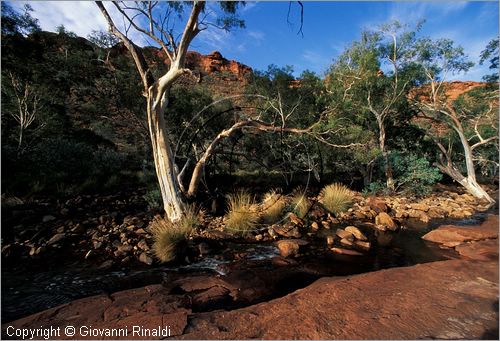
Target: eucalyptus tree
column 372, row 77
column 472, row 118
column 156, row 21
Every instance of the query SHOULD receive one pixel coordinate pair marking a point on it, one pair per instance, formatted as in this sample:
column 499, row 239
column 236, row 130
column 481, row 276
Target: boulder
column 376, row 204
column 290, row 247
column 56, row 238
column 420, row 207
column 451, row 234
column 356, row 232
column 385, row 220
column 344, row 234
column 144, row 258
column 347, row 252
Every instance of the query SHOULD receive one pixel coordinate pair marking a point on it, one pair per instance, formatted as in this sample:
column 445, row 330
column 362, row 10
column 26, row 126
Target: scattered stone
column 344, row 234
column 356, row 232
column 420, row 207
column 376, row 204
column 48, row 218
column 385, row 220
column 314, row 226
column 289, row 230
column 259, row 237
column 330, row 239
column 347, row 252
column 290, row 247
column 106, row 265
column 365, row 246
column 346, row 242
column 144, row 258
column 143, row 245
column 56, row 238
column 295, row 220
column 325, row 224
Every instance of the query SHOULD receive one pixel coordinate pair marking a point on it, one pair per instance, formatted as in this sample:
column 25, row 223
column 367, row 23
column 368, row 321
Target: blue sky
column 328, row 27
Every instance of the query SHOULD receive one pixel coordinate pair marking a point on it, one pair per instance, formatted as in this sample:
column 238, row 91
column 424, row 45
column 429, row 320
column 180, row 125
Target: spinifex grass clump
column 168, row 236
column 300, row 203
column 242, row 215
column 272, row 206
column 336, row 198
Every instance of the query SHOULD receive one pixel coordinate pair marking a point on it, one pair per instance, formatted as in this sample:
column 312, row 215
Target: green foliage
column 491, row 53
column 14, row 22
column 168, row 236
column 336, row 198
column 242, row 215
column 272, row 206
column 153, row 199
column 414, row 174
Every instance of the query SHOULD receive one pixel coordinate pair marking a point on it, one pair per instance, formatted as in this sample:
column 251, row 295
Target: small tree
column 155, row 21
column 438, row 59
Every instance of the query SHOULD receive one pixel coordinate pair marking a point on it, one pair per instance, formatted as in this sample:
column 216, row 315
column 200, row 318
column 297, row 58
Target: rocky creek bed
column 221, row 272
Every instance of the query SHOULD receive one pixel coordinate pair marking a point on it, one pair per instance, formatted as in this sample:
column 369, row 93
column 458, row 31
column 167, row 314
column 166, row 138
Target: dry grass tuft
column 272, row 206
column 167, row 235
column 301, row 204
column 336, row 198
column 242, row 216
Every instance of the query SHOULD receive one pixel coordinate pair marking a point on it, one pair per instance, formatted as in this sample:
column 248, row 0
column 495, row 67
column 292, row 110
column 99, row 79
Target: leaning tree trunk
column 164, row 163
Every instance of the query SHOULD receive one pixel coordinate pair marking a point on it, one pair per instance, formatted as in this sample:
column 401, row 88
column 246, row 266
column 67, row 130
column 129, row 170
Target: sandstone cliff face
column 214, row 63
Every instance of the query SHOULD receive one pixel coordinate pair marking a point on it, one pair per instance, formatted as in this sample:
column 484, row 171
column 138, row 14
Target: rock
column 435, row 212
column 314, row 226
column 48, row 218
column 60, row 229
column 290, row 247
column 124, row 248
column 359, row 215
column 144, row 258
column 289, row 230
column 78, row 229
column 295, row 220
column 376, row 204
column 346, row 242
column 347, row 252
column 420, row 207
column 453, row 234
column 143, row 245
column 365, row 246
column 325, row 224
column 356, row 232
column 259, row 237
column 344, row 234
column 485, row 250
column 330, row 239
column 317, row 212
column 106, row 265
column 56, row 238
column 280, row 261
column 385, row 220
column 97, row 244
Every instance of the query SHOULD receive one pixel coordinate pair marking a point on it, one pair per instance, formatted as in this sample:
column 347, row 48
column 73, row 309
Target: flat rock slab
column 481, row 250
column 451, row 299
column 454, row 235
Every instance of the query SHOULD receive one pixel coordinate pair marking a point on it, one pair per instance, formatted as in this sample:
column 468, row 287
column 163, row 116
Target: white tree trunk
column 164, row 164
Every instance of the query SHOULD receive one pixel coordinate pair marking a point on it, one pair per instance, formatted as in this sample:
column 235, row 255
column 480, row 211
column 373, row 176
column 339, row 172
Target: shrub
column 336, row 198
column 168, row 236
column 242, row 215
column 413, row 174
column 300, row 203
column 272, row 206
column 153, row 199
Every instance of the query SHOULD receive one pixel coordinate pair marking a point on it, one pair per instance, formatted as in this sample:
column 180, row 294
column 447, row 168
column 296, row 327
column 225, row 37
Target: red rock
column 385, row 220
column 451, row 234
column 376, row 204
column 481, row 250
column 346, row 252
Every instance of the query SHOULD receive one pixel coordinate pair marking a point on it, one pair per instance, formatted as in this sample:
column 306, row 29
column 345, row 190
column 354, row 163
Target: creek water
column 27, row 291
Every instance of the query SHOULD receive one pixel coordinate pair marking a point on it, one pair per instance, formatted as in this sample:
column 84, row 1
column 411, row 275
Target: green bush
column 153, row 199
column 413, row 174
column 336, row 198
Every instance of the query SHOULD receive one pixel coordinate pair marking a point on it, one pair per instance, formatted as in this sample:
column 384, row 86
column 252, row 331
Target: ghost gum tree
column 475, row 125
column 155, row 20
column 365, row 89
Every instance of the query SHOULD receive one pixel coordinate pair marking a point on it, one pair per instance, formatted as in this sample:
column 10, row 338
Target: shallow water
column 25, row 293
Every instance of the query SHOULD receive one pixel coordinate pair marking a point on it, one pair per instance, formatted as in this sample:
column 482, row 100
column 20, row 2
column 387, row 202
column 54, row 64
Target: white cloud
column 318, row 60
column 257, row 35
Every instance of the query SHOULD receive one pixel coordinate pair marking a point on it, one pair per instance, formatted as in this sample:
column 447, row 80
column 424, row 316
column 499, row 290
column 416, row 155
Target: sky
column 271, row 35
